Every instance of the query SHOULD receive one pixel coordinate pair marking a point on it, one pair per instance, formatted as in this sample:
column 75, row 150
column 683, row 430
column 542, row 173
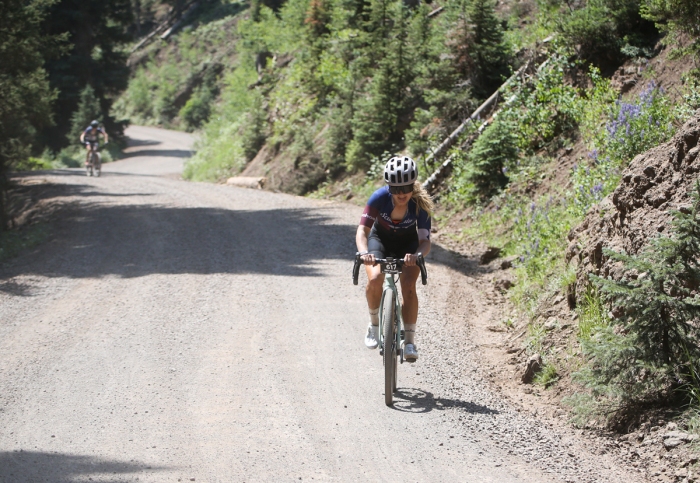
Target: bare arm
column 106, row 136
column 361, row 238
column 82, row 137
column 423, row 249
column 424, row 246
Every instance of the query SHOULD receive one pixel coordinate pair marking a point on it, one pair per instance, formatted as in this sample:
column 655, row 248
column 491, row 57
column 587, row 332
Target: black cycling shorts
column 384, row 244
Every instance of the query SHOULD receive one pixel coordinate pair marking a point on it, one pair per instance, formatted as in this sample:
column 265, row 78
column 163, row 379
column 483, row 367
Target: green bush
column 630, row 128
column 675, row 16
column 544, row 107
column 651, row 348
column 220, row 152
column 606, row 32
column 482, row 173
column 547, row 376
column 197, row 109
column 592, row 314
column 32, row 164
column 136, row 102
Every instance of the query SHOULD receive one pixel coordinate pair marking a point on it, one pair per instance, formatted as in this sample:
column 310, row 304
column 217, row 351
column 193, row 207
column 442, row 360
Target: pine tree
column 489, row 156
column 317, row 18
column 87, row 111
column 376, row 119
column 491, row 55
column 651, row 350
column 653, row 345
column 97, row 33
column 442, row 63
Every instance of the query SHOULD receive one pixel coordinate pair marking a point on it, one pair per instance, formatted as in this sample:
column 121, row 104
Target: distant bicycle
column 390, row 319
column 94, row 160
column 90, row 138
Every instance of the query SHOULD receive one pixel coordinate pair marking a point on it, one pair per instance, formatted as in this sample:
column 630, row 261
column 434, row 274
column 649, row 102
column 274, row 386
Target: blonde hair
column 423, row 200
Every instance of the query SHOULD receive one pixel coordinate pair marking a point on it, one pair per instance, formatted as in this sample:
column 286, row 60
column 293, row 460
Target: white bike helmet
column 400, row 171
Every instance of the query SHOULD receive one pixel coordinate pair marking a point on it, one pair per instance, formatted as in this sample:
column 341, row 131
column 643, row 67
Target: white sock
column 374, row 316
column 409, row 331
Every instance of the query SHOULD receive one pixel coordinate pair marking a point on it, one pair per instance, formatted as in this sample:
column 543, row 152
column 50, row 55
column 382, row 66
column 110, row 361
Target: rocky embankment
column 655, row 184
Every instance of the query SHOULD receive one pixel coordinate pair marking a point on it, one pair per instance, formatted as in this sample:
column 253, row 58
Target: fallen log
column 445, row 168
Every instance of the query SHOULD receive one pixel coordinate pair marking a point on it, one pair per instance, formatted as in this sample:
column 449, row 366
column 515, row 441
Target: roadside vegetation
column 62, row 64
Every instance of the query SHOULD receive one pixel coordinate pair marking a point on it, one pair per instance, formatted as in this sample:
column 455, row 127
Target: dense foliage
column 374, row 77
column 604, row 32
column 97, row 34
column 25, row 95
column 676, row 17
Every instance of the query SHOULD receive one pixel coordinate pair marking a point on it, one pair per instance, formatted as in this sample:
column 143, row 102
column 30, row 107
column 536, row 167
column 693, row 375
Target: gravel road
column 179, row 331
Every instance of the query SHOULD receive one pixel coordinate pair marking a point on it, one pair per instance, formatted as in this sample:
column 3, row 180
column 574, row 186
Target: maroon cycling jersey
column 379, row 208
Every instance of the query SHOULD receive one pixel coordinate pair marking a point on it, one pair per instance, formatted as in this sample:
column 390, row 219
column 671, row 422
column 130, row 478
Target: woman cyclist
column 395, row 223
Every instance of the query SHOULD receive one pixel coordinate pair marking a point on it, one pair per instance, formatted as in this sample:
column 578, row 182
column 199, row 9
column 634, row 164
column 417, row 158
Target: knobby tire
column 388, row 317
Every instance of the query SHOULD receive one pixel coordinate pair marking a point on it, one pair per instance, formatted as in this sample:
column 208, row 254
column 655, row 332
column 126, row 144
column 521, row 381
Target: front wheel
column 90, row 166
column 389, row 321
column 98, row 164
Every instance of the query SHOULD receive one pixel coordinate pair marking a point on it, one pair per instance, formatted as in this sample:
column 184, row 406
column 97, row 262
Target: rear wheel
column 389, row 321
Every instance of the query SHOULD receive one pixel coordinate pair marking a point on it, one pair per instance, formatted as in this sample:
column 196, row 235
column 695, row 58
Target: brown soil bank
column 655, row 183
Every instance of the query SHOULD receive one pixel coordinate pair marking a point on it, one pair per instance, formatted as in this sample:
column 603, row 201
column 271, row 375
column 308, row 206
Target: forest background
column 314, row 95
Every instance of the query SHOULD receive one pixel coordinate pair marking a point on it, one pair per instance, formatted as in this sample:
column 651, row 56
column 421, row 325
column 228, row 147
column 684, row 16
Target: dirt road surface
column 179, row 331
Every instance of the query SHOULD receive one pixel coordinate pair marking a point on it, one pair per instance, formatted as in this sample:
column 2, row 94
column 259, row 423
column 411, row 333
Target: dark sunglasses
column 399, row 190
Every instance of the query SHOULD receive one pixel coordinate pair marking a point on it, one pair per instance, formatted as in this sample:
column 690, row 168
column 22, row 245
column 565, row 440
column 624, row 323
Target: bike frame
column 390, row 279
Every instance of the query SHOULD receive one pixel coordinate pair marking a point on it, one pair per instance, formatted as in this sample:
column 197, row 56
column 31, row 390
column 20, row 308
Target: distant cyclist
column 396, row 223
column 90, row 137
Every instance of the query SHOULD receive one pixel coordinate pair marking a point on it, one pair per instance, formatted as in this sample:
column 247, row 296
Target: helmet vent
column 400, row 171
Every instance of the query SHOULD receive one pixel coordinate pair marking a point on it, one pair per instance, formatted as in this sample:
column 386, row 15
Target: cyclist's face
column 402, row 198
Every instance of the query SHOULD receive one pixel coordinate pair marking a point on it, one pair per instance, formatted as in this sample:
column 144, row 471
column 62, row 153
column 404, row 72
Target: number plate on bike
column 389, row 267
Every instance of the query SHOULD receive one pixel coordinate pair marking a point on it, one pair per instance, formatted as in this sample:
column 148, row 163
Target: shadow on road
column 36, row 466
column 133, row 142
column 93, row 240
column 412, row 400
column 169, row 153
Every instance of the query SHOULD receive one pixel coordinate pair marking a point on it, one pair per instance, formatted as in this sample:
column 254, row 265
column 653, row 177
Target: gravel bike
column 94, row 164
column 390, row 320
